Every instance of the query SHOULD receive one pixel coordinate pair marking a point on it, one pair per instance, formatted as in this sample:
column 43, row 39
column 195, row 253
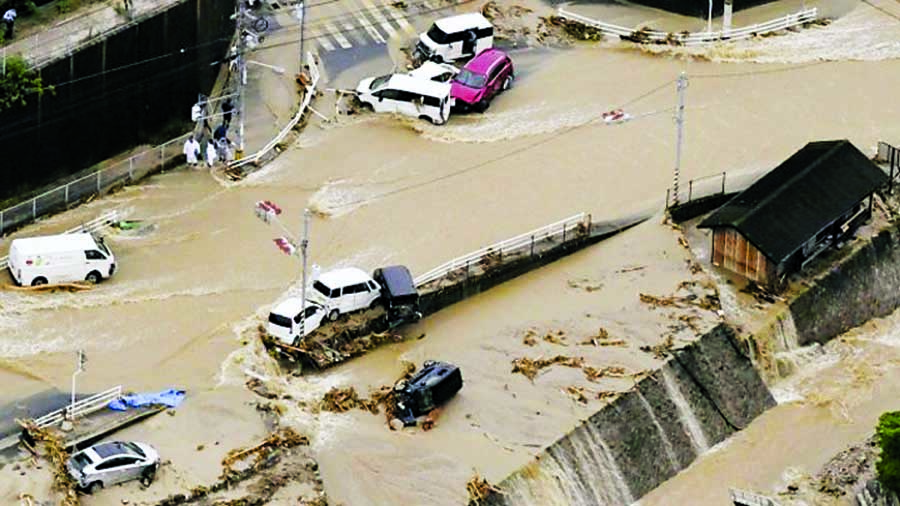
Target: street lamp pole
column 709, row 18
column 301, row 16
column 681, row 85
column 304, row 242
column 242, row 70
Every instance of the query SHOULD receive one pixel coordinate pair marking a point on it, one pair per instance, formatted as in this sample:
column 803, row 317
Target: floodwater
column 190, row 294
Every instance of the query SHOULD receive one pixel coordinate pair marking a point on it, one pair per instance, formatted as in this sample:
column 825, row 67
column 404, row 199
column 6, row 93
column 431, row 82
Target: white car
column 406, row 95
column 431, row 71
column 107, row 464
column 345, row 290
column 35, row 261
column 288, row 324
column 455, row 37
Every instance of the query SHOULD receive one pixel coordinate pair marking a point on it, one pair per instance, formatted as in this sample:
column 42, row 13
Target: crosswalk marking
column 321, row 37
column 379, row 17
column 430, row 4
column 338, row 36
column 369, row 28
column 401, row 21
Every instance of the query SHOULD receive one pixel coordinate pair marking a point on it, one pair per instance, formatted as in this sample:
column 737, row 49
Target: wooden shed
column 814, row 199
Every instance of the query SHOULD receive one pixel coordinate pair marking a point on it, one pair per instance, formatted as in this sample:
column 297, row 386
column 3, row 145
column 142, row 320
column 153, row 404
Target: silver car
column 107, row 464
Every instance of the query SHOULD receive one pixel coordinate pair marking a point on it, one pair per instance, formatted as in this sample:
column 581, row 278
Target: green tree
column 18, row 82
column 888, row 465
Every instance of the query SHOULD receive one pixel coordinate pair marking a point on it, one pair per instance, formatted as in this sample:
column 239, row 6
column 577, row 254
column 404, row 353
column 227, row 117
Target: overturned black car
column 434, row 385
column 398, row 294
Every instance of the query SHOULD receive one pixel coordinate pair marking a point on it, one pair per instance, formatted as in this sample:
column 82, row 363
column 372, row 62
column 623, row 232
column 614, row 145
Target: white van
column 62, row 258
column 456, row 37
column 407, row 95
column 345, row 290
column 288, row 324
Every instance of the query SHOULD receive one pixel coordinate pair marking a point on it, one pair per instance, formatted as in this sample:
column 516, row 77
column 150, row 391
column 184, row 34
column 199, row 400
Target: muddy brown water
column 396, row 191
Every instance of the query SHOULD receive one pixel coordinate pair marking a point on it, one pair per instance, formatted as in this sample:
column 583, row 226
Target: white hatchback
column 345, row 290
column 407, row 95
column 289, row 321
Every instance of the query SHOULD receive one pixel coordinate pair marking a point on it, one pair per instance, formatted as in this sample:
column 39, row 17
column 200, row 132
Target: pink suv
column 483, row 77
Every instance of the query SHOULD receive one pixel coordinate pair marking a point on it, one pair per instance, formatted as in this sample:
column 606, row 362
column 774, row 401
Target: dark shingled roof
column 800, row 197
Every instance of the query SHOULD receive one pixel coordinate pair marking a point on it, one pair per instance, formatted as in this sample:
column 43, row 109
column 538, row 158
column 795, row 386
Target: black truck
column 432, row 386
column 398, row 294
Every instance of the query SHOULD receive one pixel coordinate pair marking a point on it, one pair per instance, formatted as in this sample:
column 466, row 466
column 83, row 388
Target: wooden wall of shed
column 730, row 250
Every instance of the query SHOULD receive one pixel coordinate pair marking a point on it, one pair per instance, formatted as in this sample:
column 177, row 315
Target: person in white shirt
column 9, row 19
column 191, row 151
column 210, row 154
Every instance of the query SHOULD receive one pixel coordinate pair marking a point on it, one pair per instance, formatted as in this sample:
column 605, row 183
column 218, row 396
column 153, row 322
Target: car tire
column 482, row 105
column 507, row 84
column 437, row 121
column 334, row 315
column 38, row 281
column 147, row 478
column 94, row 487
column 93, row 277
column 366, row 106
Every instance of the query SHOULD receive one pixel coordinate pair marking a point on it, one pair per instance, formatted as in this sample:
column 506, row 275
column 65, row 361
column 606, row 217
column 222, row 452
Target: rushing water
column 685, row 413
column 667, row 445
column 190, row 294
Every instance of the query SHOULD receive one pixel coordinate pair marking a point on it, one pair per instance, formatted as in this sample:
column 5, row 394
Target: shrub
column 18, row 83
column 888, row 465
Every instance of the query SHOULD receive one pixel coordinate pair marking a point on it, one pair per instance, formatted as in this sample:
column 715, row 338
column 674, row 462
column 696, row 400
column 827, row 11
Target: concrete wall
column 644, row 435
column 122, row 91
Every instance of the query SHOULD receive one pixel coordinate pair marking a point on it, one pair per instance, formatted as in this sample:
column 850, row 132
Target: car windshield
column 321, row 288
column 135, row 449
column 468, row 78
column 437, row 35
column 378, row 82
column 80, row 460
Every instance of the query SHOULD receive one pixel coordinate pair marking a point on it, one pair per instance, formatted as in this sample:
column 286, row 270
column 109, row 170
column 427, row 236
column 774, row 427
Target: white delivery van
column 345, row 290
column 407, row 95
column 288, row 323
column 64, row 258
column 456, row 37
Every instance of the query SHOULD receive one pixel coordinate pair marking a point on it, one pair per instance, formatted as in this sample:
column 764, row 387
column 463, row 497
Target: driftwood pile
column 55, row 452
column 479, row 489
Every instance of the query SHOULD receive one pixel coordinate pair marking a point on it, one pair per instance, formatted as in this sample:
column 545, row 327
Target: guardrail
column 695, row 38
column 83, row 407
column 566, row 228
column 314, row 75
column 743, row 498
column 89, row 226
column 59, row 198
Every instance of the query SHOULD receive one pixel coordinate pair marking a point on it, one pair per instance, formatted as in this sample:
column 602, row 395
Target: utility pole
column 242, row 72
column 681, row 85
column 304, row 242
column 80, row 359
column 300, row 14
column 709, row 18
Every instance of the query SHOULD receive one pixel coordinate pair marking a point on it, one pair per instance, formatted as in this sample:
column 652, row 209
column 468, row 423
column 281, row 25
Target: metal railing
column 743, row 498
column 89, row 226
column 565, row 229
column 700, row 187
column 314, row 75
column 59, row 198
column 890, row 155
column 688, row 38
column 83, row 407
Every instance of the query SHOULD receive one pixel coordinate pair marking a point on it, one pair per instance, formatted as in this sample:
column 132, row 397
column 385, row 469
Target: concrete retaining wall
column 644, row 437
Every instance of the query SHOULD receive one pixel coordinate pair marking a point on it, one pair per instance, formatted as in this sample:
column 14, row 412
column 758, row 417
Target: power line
column 503, row 156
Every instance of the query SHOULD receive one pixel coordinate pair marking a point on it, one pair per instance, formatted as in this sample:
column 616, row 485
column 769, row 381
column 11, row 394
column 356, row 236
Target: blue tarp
column 171, row 398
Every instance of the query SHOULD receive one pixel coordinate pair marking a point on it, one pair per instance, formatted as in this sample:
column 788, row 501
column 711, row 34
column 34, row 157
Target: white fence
column 90, row 226
column 255, row 158
column 564, row 229
column 83, row 407
column 688, row 38
column 59, row 198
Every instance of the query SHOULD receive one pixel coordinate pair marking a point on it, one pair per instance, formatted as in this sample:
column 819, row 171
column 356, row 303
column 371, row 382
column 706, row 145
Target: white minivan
column 407, row 95
column 289, row 321
column 64, row 258
column 456, row 37
column 345, row 290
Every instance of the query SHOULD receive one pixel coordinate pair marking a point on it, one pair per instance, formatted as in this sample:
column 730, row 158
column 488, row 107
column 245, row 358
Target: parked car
column 288, row 323
column 107, row 464
column 432, row 386
column 407, row 95
column 345, row 290
column 481, row 79
column 60, row 258
column 398, row 294
column 431, row 71
column 455, row 37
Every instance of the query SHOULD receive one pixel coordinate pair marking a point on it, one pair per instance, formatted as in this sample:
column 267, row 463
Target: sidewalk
column 43, row 44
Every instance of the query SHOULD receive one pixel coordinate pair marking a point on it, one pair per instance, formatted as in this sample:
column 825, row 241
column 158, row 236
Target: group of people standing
column 219, row 146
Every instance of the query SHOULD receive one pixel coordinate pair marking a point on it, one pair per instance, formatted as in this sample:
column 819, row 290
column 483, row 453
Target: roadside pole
column 681, row 85
column 299, row 13
column 242, row 73
column 80, row 360
column 304, row 243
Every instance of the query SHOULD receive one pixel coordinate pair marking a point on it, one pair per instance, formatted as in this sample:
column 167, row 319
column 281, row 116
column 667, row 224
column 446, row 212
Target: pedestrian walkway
column 42, row 45
column 357, row 23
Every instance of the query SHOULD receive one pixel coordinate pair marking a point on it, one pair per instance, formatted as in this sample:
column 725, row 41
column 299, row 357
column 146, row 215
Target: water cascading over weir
column 704, row 393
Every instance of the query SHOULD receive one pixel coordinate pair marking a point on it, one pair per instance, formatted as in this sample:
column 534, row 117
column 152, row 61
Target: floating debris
column 593, row 374
column 661, row 350
column 631, row 269
column 602, row 339
column 572, row 29
column 479, row 489
column 557, row 338
column 55, row 452
column 576, row 393
column 529, row 338
column 531, row 367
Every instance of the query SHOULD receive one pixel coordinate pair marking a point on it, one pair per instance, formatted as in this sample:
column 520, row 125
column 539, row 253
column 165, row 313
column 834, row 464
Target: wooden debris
column 631, row 269
column 661, row 350
column 594, row 374
column 78, row 286
column 531, row 367
column 479, row 489
column 557, row 338
column 576, row 393
column 55, row 452
column 284, row 438
column 529, row 338
column 602, row 339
